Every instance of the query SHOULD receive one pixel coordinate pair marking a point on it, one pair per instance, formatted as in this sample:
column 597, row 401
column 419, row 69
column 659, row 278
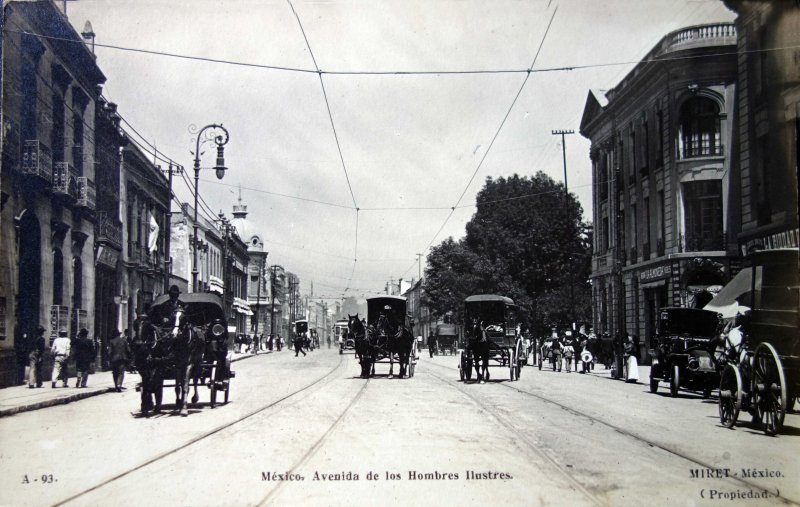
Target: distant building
column 665, row 188
column 257, row 301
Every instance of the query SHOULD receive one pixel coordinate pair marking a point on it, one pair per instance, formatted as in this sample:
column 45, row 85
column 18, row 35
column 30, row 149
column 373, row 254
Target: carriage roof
column 375, row 306
column 485, row 298
column 201, row 307
column 301, row 326
column 446, row 330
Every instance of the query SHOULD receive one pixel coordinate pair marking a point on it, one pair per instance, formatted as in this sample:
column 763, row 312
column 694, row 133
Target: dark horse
column 363, row 348
column 390, row 339
column 481, row 348
column 176, row 350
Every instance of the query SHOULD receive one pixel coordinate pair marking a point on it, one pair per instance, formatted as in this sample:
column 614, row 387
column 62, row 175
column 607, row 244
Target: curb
column 76, row 397
column 53, row 402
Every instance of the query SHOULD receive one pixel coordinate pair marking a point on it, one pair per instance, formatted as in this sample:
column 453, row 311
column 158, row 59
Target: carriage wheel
column 769, row 388
column 730, row 395
column 512, row 364
column 653, row 385
column 675, row 381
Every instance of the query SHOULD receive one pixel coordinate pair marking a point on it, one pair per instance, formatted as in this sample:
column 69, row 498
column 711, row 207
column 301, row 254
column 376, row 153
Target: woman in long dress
column 631, row 363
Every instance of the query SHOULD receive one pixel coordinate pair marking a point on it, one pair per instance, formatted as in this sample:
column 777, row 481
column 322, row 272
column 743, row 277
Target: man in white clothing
column 60, row 350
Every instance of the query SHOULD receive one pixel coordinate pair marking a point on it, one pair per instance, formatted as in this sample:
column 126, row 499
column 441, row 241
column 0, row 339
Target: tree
column 525, row 241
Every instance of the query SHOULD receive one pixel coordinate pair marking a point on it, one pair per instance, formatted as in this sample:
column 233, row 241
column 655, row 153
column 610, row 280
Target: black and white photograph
column 399, row 252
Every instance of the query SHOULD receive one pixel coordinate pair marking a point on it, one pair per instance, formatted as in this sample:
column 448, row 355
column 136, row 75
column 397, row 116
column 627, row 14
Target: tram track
column 515, row 434
column 305, row 458
column 278, row 404
column 619, row 429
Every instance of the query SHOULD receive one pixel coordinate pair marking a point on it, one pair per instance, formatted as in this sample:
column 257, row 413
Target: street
column 307, row 430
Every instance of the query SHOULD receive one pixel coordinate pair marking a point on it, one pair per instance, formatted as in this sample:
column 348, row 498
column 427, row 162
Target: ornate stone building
column 666, row 191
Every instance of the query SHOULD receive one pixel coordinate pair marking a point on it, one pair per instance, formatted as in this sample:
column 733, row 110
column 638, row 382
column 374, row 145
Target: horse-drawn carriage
column 181, row 341
column 491, row 337
column 302, row 336
column 386, row 338
column 446, row 339
column 342, row 337
column 681, row 350
column 762, row 376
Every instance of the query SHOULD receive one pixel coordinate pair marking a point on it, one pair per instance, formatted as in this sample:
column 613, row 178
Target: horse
column 188, row 347
column 481, row 348
column 146, row 356
column 394, row 339
column 363, row 348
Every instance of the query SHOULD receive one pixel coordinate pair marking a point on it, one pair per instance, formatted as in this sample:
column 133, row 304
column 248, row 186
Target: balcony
column 37, row 160
column 694, row 151
column 87, row 193
column 108, row 231
column 65, row 180
column 712, row 242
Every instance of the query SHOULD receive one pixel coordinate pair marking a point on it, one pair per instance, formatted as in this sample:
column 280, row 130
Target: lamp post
column 219, row 169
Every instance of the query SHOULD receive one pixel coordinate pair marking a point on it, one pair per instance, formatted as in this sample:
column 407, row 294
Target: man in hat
column 174, row 298
column 36, row 358
column 60, row 349
column 85, row 352
column 119, row 354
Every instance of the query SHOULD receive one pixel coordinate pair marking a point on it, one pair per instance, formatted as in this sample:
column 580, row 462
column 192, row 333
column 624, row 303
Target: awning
column 735, row 293
column 652, row 285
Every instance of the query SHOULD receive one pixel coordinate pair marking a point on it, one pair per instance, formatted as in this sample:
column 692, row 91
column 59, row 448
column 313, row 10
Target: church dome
column 244, row 228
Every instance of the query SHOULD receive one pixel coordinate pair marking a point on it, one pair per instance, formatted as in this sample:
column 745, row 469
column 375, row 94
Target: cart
column 491, row 337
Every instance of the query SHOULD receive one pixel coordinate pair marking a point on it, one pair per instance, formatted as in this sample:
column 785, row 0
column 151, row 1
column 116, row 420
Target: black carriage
column 345, row 342
column 385, row 315
column 763, row 374
column 204, row 313
column 446, row 340
column 302, row 335
column 682, row 350
column 491, row 321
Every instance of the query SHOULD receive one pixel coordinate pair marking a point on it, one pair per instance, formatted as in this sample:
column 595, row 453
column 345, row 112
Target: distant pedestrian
column 298, row 345
column 256, row 343
column 431, row 344
column 36, row 359
column 60, row 349
column 119, row 354
column 85, row 353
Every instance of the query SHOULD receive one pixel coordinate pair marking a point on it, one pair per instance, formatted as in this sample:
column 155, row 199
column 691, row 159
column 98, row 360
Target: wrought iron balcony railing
column 37, row 160
column 710, row 242
column 87, row 193
column 695, row 151
column 108, row 230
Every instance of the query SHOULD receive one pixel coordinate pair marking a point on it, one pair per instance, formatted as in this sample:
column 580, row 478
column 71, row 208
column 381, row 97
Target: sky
column 405, row 142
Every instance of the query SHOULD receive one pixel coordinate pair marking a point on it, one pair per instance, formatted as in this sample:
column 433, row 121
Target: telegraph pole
column 272, row 304
column 563, row 133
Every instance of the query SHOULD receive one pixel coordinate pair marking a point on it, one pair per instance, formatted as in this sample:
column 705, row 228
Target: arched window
column 699, row 133
column 58, row 277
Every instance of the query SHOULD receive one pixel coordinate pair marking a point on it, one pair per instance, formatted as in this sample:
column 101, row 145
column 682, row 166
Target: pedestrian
column 119, row 354
column 256, row 343
column 431, row 344
column 271, row 342
column 298, row 344
column 85, row 352
column 36, row 359
column 631, row 363
column 60, row 349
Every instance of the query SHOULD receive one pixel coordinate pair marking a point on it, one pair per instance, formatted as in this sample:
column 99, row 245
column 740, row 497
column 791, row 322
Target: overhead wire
column 494, row 138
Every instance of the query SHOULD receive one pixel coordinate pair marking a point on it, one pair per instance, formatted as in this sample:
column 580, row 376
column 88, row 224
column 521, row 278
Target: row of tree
column 526, row 241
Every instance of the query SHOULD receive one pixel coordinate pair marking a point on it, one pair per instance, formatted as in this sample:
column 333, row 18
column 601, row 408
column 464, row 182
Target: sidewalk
column 14, row 400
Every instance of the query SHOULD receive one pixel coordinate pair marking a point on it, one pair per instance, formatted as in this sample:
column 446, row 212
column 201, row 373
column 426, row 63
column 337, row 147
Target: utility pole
column 168, row 226
column 563, row 133
column 272, row 304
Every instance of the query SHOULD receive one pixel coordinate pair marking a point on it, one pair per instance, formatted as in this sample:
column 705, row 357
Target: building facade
column 256, row 303
column 768, row 90
column 665, row 186
column 50, row 91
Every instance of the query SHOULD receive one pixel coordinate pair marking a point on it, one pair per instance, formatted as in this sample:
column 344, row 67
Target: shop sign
column 785, row 239
column 655, row 273
column 59, row 320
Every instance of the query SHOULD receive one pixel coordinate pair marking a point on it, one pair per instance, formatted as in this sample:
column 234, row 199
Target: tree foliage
column 525, row 241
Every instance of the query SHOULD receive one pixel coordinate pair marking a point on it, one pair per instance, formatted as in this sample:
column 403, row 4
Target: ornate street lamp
column 219, row 169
